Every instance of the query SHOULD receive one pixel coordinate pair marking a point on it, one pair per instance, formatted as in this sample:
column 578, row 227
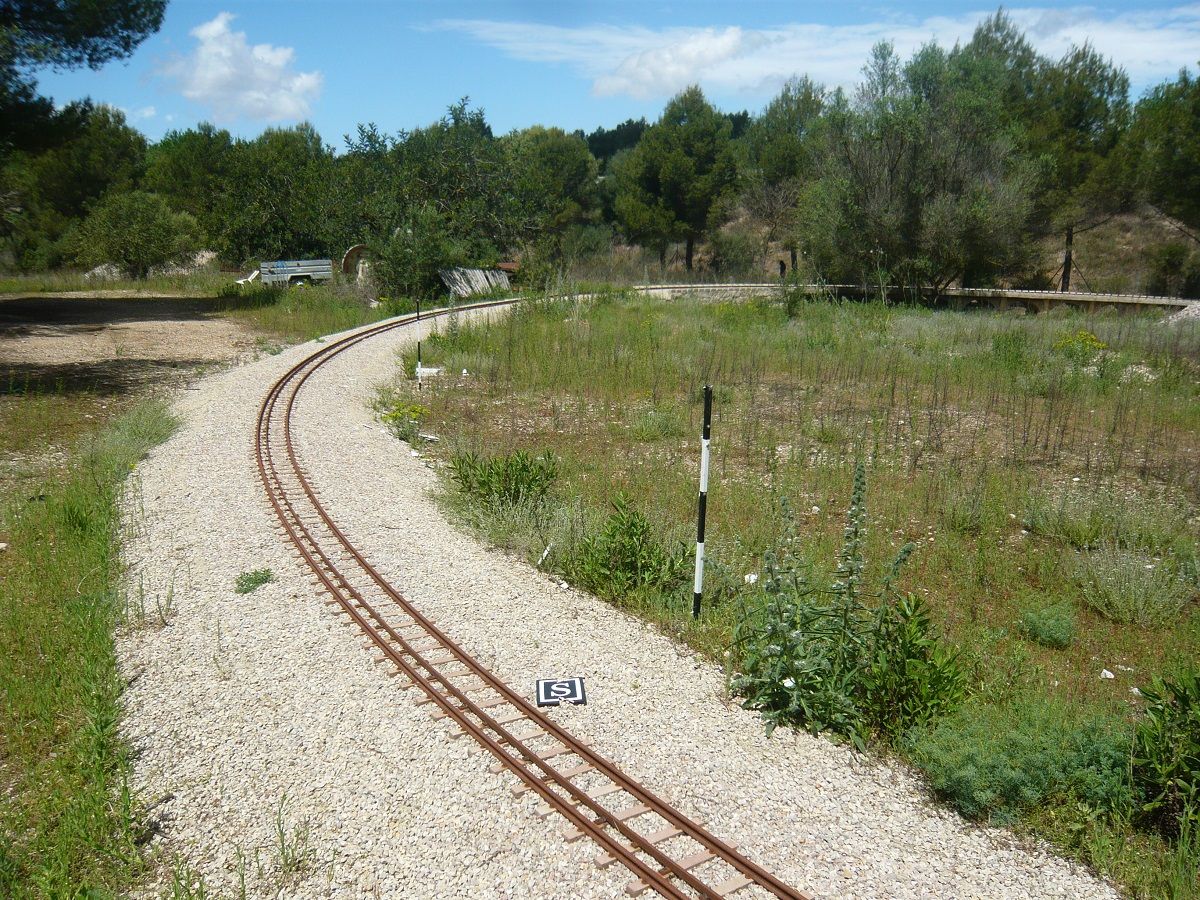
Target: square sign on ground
column 553, row 691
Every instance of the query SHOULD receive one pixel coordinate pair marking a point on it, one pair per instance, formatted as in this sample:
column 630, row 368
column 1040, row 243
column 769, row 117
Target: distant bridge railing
column 997, row 297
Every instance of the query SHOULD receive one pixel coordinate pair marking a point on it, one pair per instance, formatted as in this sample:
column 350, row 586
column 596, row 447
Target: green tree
column 669, row 185
column 605, row 143
column 1164, row 145
column 554, row 180
column 55, row 188
column 135, row 231
column 921, row 183
column 190, row 168
column 1082, row 113
column 781, row 150
column 36, row 34
column 279, row 199
column 451, row 184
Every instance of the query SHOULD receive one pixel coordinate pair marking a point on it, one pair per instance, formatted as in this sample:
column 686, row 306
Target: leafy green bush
column 821, row 658
column 995, row 761
column 1050, row 626
column 1130, row 587
column 519, row 479
column 626, row 557
column 135, row 232
column 1166, row 755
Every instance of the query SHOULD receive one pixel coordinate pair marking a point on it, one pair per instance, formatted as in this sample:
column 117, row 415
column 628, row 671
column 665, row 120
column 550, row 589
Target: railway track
column 663, row 849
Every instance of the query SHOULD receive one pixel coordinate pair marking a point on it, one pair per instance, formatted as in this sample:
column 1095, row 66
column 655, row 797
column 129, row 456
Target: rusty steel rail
column 569, row 776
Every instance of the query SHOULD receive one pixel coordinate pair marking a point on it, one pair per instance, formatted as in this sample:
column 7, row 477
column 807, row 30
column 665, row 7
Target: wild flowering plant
column 841, row 658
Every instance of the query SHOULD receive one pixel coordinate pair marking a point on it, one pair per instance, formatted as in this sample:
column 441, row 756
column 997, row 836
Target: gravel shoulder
column 242, row 701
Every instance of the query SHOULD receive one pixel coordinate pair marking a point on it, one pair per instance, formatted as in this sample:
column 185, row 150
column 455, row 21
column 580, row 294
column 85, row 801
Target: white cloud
column 642, row 63
column 146, row 112
column 236, row 79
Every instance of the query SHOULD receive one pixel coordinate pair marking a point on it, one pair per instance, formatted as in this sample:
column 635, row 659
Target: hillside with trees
column 983, row 164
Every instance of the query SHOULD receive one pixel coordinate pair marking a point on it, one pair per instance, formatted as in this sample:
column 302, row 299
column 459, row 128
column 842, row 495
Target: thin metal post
column 698, row 587
column 418, row 345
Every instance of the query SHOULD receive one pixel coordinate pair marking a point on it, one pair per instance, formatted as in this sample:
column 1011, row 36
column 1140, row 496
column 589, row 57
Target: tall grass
column 204, row 283
column 68, row 821
column 302, row 313
column 1002, row 448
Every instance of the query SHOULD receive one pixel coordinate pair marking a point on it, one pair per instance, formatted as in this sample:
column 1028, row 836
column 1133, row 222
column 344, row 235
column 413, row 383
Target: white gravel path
column 245, row 699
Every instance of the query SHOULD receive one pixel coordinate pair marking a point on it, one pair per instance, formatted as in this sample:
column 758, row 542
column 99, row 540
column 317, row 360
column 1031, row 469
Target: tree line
column 951, row 167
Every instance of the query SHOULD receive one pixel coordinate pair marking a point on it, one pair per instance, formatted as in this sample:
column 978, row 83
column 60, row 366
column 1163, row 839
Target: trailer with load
column 295, row 271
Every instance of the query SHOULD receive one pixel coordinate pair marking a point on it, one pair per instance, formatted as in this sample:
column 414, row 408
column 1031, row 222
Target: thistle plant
column 825, row 660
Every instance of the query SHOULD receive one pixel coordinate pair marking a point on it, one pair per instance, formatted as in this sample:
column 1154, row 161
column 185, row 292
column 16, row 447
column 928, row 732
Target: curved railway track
column 662, row 848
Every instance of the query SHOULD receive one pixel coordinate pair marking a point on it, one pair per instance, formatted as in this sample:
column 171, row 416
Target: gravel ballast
column 259, row 715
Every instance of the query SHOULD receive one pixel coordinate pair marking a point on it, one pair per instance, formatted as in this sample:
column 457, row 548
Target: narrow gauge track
column 664, row 850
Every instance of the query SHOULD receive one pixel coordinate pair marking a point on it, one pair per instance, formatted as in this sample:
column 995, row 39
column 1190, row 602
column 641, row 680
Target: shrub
column 1166, row 755
column 736, row 251
column 519, row 479
column 822, row 659
column 625, row 557
column 1050, row 626
column 1080, row 347
column 135, row 231
column 1132, row 588
column 993, row 762
column 404, row 419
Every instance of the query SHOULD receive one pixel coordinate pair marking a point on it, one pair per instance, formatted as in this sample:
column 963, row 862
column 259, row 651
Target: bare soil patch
column 111, row 346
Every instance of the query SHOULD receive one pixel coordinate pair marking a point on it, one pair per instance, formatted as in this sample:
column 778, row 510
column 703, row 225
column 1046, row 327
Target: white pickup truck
column 296, row 271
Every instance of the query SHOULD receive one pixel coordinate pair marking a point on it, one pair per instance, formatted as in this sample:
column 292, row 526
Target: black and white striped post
column 418, row 344
column 698, row 587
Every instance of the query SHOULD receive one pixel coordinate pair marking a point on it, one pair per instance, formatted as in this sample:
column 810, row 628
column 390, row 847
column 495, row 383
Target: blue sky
column 400, row 63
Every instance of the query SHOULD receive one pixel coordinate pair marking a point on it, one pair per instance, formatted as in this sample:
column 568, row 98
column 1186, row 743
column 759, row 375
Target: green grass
column 205, row 283
column 1003, row 448
column 302, row 313
column 68, row 823
column 247, row 582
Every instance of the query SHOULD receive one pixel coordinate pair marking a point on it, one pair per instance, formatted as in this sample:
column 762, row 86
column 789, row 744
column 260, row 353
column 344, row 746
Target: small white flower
column 1104, row 673
column 751, row 578
column 789, row 683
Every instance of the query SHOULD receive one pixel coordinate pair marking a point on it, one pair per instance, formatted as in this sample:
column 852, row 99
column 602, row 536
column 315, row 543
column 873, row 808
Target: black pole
column 705, row 435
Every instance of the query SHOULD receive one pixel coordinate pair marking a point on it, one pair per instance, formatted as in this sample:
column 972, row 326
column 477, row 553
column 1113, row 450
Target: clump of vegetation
column 1086, row 520
column 994, row 762
column 1080, row 347
column 517, row 479
column 1131, row 587
column 135, row 232
column 253, row 580
column 68, row 822
column 404, row 419
column 1166, row 755
column 827, row 661
column 1051, row 626
column 625, row 556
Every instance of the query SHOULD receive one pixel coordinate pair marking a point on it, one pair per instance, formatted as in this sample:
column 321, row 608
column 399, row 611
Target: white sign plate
column 553, row 691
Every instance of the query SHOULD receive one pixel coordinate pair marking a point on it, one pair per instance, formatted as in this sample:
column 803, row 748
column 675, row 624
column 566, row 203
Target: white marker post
column 698, row 588
column 418, row 343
